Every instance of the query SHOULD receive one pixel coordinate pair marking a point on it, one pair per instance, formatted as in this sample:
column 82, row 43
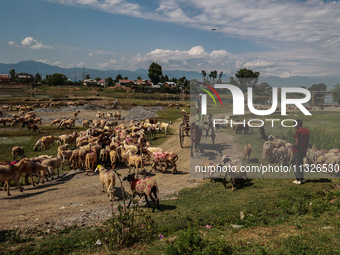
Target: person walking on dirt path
column 299, row 151
column 115, row 104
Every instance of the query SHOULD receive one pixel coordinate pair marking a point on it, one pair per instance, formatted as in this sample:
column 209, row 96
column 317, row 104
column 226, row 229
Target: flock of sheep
column 98, row 149
column 281, row 152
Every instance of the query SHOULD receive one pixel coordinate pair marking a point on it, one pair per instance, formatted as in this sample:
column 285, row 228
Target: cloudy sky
column 281, row 38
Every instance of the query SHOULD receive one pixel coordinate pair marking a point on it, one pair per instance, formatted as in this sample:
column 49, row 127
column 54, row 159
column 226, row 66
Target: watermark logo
column 239, row 101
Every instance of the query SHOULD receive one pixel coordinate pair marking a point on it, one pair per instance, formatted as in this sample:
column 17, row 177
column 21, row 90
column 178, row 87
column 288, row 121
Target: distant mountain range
column 75, row 73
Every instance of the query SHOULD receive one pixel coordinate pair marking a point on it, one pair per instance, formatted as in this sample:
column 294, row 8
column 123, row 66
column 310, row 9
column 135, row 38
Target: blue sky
column 276, row 38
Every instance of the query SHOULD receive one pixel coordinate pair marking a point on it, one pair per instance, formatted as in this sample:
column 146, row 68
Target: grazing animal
column 134, row 161
column 86, row 123
column 32, row 167
column 18, row 151
column 236, row 175
column 247, row 151
column 34, row 127
column 103, row 156
column 113, row 158
column 107, row 178
column 145, row 186
column 11, row 172
column 54, row 163
column 75, row 114
column 57, row 121
column 90, row 161
column 167, row 157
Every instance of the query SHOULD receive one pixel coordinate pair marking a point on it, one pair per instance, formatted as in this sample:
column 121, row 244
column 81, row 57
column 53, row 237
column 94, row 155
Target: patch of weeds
column 190, row 242
column 297, row 245
column 298, row 204
column 129, row 227
column 16, row 236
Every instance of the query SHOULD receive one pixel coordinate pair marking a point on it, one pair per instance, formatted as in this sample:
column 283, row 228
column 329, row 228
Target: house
column 5, row 78
column 143, row 82
column 169, row 84
column 88, row 82
column 126, row 82
column 102, row 83
column 25, row 76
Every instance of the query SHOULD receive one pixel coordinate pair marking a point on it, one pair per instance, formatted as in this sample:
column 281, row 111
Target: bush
column 129, row 227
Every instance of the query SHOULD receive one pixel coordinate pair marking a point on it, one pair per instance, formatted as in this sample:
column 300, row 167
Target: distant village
column 26, row 81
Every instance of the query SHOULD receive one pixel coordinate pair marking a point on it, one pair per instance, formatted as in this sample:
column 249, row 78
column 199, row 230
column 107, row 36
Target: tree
column 88, row 76
column 220, row 77
column 246, row 78
column 214, row 76
column 97, row 78
column 118, row 77
column 109, row 81
column 56, row 79
column 204, row 74
column 139, row 78
column 155, row 71
column 318, row 87
column 12, row 73
column 37, row 77
column 336, row 93
column 166, row 78
column 125, row 78
column 162, row 79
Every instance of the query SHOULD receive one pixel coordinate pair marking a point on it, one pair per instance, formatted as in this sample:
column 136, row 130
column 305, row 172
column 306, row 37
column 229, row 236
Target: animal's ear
column 133, row 174
column 125, row 179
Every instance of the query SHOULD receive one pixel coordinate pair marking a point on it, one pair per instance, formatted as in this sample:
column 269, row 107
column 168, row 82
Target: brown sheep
column 113, row 158
column 90, row 161
column 86, row 123
column 145, row 186
column 57, row 121
column 247, row 151
column 54, row 163
column 74, row 160
column 18, row 151
column 11, row 172
column 32, row 167
column 46, row 141
column 75, row 114
column 134, row 161
column 107, row 178
column 103, row 156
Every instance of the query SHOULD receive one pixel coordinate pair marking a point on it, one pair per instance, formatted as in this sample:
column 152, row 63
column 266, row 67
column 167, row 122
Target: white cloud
column 101, row 52
column 195, row 58
column 302, row 35
column 108, row 65
column 30, row 42
column 54, row 63
column 284, row 21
